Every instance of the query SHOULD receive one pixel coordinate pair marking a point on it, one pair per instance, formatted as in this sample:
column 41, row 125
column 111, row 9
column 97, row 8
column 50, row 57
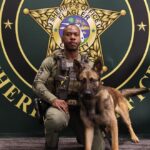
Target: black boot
column 107, row 143
column 50, row 148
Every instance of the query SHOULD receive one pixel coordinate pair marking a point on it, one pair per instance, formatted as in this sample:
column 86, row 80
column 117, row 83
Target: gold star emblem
column 92, row 22
column 142, row 26
column 8, row 24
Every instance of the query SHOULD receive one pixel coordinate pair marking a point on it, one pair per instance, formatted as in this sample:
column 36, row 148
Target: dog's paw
column 135, row 139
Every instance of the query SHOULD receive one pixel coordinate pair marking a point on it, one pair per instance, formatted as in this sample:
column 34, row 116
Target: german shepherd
column 100, row 103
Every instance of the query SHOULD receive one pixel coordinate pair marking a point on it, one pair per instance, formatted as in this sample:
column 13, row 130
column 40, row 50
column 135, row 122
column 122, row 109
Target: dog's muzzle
column 87, row 94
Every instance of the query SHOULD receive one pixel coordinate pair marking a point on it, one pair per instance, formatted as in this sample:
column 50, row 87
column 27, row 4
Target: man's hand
column 60, row 104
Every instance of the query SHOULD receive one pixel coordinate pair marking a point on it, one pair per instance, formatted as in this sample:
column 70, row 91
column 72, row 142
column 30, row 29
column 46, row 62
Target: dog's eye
column 83, row 80
column 92, row 80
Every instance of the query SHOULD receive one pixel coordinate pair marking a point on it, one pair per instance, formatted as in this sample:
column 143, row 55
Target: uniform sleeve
column 39, row 83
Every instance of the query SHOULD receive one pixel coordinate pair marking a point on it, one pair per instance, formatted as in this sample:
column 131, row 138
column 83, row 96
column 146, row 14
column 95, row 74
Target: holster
column 41, row 106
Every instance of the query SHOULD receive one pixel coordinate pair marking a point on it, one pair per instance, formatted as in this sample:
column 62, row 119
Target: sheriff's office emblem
column 91, row 21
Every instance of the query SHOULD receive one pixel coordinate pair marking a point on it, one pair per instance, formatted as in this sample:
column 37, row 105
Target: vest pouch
column 62, row 83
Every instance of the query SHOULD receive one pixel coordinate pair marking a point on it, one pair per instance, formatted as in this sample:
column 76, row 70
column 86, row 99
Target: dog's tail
column 134, row 91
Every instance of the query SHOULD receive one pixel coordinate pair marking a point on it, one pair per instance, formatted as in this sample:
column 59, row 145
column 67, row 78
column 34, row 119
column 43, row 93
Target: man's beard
column 72, row 49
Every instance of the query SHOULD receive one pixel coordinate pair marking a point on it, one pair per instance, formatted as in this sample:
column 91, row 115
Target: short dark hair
column 71, row 24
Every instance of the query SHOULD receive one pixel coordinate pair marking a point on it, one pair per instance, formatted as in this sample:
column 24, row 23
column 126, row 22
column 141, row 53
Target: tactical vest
column 66, row 84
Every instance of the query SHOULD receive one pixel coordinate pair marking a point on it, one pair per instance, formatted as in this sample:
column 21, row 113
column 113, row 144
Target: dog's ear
column 77, row 66
column 98, row 65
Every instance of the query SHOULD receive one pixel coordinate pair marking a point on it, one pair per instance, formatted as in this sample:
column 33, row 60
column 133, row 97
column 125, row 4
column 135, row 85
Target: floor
column 37, row 143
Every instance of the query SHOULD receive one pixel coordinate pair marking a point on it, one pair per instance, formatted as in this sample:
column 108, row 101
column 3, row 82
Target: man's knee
column 56, row 119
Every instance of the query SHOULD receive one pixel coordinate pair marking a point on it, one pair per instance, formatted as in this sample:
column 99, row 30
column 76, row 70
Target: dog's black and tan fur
column 100, row 103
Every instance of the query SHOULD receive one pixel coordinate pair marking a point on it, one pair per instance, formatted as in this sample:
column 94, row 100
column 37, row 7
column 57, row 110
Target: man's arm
column 40, row 80
column 41, row 90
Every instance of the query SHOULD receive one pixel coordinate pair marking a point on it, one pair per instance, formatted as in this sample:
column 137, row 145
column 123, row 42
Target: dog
column 99, row 103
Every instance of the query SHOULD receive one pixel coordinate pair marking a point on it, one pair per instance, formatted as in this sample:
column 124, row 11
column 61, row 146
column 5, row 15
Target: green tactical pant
column 56, row 121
